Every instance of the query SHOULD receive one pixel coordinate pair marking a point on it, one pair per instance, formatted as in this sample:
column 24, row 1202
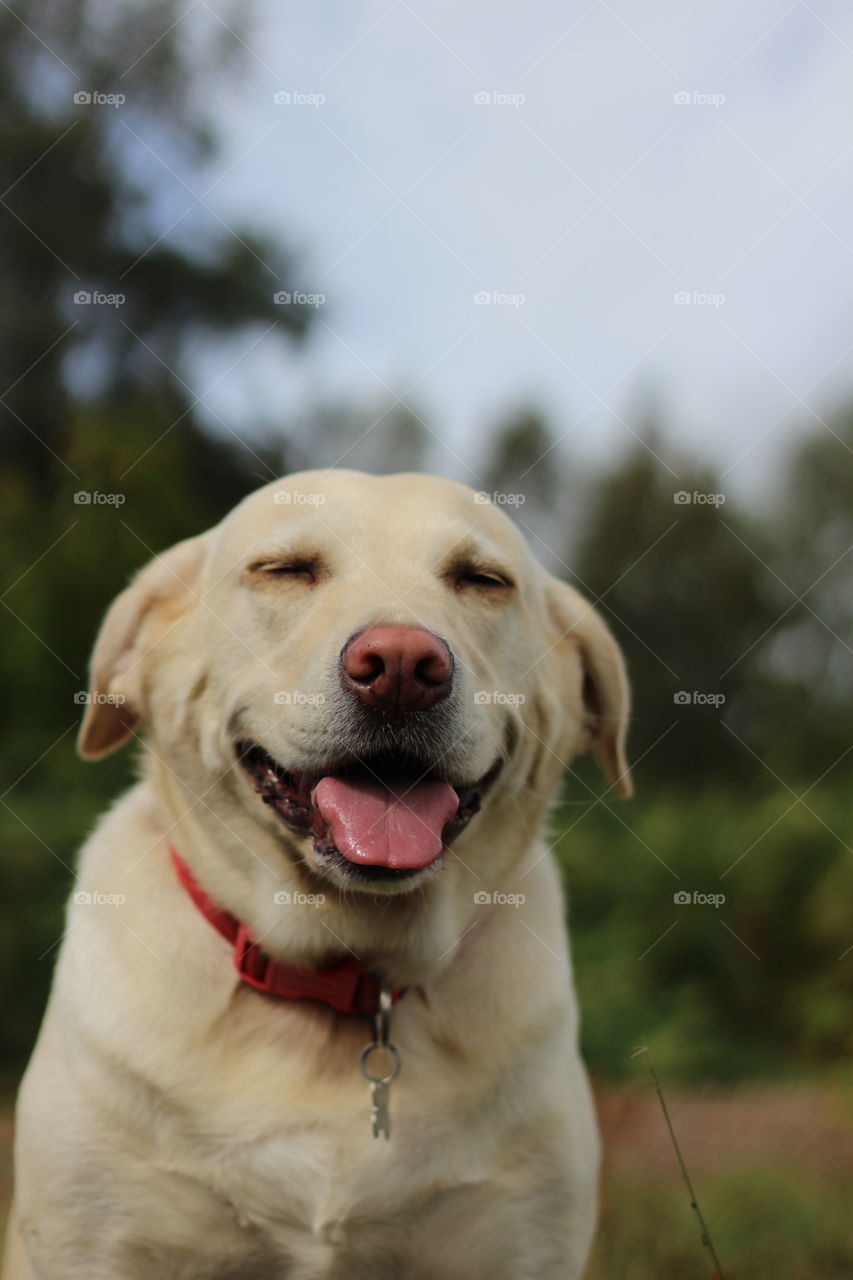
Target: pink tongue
column 383, row 826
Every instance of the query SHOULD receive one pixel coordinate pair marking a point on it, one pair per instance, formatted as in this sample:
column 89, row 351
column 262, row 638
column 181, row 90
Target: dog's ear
column 606, row 695
column 166, row 587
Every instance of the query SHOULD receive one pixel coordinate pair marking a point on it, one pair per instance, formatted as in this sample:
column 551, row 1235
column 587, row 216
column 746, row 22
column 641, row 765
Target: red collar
column 348, row 987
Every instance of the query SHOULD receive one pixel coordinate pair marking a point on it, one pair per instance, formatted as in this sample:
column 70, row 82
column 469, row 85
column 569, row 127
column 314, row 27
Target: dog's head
column 362, row 684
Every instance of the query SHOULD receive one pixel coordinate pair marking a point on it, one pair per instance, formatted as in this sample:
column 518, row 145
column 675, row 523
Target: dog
column 313, row 1015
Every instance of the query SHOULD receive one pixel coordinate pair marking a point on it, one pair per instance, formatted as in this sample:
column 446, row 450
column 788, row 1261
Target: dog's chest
column 312, row 1197
column 323, row 1167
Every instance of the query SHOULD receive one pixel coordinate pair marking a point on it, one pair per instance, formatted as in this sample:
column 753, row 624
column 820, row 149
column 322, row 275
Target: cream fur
column 174, row 1124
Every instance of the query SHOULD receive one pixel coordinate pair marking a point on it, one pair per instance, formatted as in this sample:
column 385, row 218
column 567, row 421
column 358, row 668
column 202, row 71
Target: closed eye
column 471, row 575
column 301, row 568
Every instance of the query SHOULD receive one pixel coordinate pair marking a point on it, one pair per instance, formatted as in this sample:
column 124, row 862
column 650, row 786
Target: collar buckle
column 344, row 986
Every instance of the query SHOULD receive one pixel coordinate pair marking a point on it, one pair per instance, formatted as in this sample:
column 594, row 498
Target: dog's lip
column 289, row 792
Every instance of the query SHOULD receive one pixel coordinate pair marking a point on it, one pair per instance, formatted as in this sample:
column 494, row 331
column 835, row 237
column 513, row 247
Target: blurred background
column 594, row 261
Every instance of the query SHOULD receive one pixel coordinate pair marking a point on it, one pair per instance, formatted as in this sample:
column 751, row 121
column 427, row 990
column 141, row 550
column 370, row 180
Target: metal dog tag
column 380, row 1064
column 380, row 1091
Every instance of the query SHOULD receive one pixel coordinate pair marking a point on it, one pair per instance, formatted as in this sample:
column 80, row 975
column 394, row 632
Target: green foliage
column 683, row 589
column 521, row 461
column 757, row 985
column 808, row 657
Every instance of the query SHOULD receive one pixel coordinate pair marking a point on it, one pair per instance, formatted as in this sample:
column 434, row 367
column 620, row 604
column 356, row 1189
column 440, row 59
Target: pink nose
column 397, row 668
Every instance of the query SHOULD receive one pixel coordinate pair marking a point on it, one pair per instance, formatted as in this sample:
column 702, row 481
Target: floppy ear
column 606, row 695
column 115, row 688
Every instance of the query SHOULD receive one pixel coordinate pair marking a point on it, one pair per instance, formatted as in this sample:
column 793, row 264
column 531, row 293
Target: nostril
column 433, row 668
column 364, row 667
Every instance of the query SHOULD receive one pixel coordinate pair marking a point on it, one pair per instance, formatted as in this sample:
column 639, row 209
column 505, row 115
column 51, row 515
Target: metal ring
column 371, row 1048
column 382, row 1017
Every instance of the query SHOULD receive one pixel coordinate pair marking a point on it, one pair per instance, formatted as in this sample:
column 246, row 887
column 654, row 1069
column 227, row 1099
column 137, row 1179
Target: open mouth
column 385, row 815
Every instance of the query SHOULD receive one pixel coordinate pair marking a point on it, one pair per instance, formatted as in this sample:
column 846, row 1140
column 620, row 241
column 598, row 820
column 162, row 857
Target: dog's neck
column 249, row 871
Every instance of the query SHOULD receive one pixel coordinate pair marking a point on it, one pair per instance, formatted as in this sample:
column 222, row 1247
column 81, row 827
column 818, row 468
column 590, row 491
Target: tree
column 523, row 463
column 81, row 218
column 107, row 290
column 379, row 438
column 808, row 658
column 678, row 575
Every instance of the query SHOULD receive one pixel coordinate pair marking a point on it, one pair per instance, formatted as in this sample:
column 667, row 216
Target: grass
column 767, row 1223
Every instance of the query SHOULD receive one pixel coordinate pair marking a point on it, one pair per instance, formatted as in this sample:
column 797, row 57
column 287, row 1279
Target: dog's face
column 351, row 675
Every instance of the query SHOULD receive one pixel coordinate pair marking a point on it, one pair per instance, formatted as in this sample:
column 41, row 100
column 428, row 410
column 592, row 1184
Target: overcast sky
column 629, row 154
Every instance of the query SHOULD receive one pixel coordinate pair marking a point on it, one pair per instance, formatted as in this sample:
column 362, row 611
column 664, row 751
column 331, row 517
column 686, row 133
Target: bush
column 756, row 985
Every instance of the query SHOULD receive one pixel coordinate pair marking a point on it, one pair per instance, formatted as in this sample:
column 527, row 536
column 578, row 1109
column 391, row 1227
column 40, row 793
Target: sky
column 592, row 207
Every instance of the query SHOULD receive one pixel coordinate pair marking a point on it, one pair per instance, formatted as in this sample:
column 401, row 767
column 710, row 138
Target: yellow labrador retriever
column 313, row 1016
